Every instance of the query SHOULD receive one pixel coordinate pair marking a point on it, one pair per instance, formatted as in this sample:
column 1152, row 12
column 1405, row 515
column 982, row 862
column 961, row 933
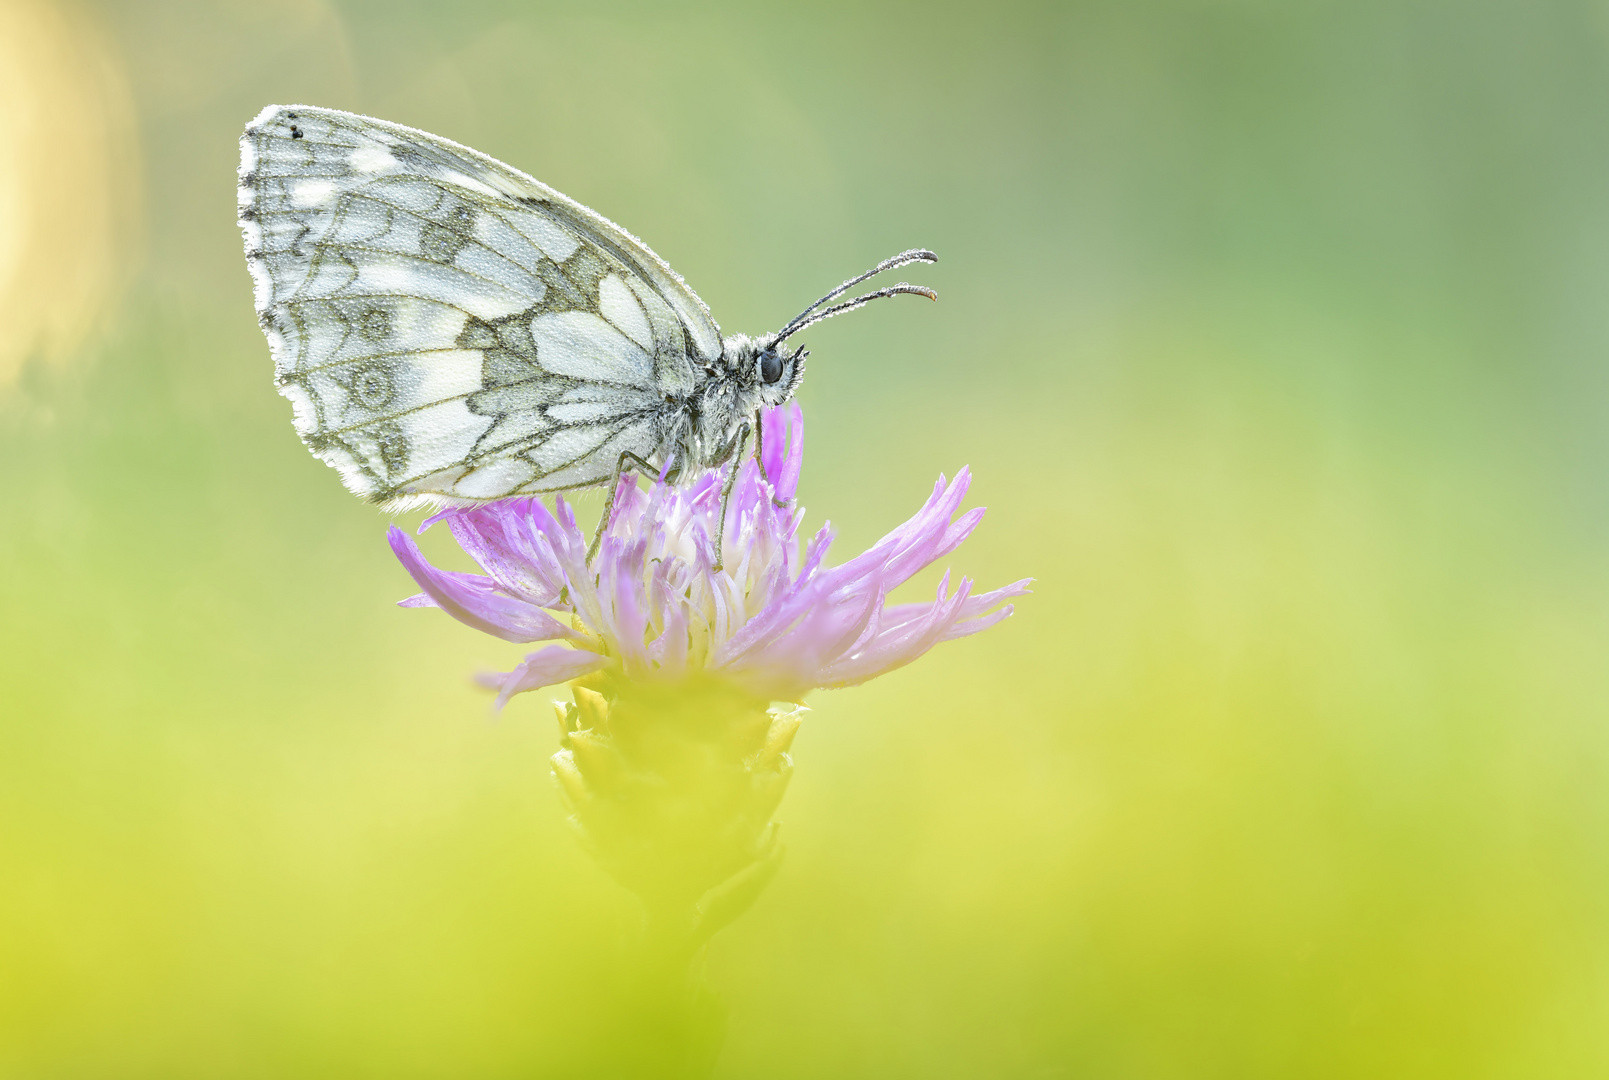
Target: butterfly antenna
column 859, row 301
column 803, row 319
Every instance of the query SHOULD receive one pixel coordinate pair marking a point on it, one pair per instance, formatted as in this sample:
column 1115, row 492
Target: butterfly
column 449, row 330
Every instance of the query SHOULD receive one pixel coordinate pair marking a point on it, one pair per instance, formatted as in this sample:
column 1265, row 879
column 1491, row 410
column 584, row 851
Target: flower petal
column 545, row 667
column 492, row 536
column 899, row 647
column 775, row 617
column 773, row 442
column 784, row 431
column 474, row 600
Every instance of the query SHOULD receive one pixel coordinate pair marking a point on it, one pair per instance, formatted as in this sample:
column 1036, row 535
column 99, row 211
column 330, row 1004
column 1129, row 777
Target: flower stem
column 673, row 789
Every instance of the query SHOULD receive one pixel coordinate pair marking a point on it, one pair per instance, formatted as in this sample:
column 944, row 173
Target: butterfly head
column 767, row 371
column 777, row 372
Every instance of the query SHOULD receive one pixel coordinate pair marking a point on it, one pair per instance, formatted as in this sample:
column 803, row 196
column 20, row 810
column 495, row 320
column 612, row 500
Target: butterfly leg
column 646, row 467
column 759, row 459
column 735, row 448
column 759, row 446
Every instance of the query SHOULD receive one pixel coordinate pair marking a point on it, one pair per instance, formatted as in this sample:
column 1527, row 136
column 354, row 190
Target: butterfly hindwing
column 448, row 328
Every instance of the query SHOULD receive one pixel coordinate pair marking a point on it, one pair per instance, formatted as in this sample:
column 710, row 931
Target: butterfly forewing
column 448, row 328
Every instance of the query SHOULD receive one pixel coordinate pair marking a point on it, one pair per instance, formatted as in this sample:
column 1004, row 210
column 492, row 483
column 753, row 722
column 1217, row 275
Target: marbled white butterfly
column 450, row 330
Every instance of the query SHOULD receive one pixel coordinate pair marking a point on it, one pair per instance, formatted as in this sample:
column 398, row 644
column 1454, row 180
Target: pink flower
column 653, row 607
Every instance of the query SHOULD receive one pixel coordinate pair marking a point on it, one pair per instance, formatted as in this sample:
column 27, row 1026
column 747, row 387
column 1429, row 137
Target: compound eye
column 770, row 367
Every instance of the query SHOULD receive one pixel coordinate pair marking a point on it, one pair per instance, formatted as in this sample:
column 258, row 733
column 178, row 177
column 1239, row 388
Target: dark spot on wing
column 296, row 132
column 374, row 324
column 499, row 368
column 392, row 444
column 439, row 242
column 584, row 269
column 477, row 334
column 514, row 334
column 371, row 385
column 507, row 351
column 555, row 280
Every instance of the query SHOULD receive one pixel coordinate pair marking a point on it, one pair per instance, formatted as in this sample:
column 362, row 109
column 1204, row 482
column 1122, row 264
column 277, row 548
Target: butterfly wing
column 449, row 329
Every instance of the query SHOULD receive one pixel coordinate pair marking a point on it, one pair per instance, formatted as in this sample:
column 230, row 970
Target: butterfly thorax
column 751, row 374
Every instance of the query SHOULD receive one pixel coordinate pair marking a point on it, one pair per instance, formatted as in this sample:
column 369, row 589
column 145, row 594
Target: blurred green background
column 1275, row 333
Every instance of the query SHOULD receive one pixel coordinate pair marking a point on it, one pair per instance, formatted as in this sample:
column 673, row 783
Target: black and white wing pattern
column 449, row 329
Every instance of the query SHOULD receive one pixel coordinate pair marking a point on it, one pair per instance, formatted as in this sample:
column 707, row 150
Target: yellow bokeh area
column 69, row 182
column 1275, row 337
